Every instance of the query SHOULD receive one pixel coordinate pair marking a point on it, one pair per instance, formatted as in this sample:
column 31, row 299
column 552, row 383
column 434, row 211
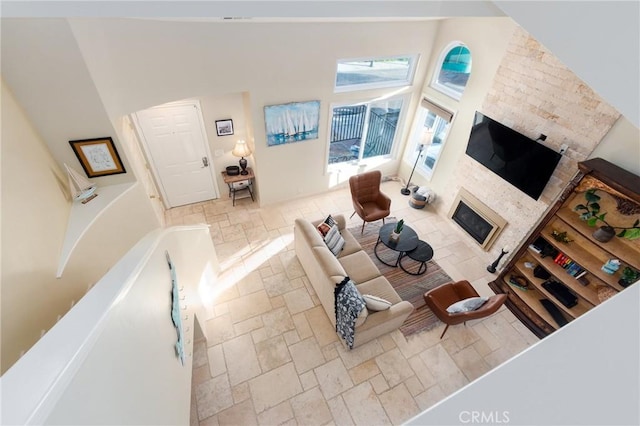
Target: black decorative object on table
column 405, row 190
column 492, row 268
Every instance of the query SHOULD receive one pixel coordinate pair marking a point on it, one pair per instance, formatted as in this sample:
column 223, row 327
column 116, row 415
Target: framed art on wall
column 98, row 157
column 293, row 122
column 224, row 127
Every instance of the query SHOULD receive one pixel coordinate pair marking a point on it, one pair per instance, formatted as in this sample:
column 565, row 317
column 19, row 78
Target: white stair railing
column 111, row 359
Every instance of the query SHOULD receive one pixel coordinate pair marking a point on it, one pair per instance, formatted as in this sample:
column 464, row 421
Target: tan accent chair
column 368, row 201
column 440, row 298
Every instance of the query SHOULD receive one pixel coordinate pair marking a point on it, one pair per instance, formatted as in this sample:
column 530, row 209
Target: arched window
column 453, row 70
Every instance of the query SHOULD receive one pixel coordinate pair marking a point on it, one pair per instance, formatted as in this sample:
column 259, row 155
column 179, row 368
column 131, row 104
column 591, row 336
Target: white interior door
column 175, row 142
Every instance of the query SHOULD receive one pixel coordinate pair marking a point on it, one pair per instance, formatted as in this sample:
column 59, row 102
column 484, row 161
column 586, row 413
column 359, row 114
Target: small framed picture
column 98, row 157
column 224, row 127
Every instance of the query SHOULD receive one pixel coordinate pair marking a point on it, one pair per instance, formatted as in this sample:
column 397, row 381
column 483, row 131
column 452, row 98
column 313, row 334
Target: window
column 431, row 130
column 452, row 73
column 372, row 73
column 360, row 131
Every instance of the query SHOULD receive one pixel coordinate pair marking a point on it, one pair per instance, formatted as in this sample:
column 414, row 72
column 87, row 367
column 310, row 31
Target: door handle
column 205, row 162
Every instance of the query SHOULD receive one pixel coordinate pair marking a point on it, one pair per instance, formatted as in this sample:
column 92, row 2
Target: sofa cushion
column 311, row 234
column 380, row 287
column 328, row 262
column 359, row 267
column 351, row 245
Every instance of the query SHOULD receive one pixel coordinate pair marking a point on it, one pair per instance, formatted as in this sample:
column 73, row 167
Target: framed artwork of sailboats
column 293, row 122
column 98, row 157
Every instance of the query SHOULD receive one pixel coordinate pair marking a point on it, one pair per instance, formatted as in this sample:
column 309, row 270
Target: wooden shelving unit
column 620, row 192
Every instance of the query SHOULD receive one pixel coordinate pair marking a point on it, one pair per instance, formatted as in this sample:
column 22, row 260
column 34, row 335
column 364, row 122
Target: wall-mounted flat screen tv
column 521, row 161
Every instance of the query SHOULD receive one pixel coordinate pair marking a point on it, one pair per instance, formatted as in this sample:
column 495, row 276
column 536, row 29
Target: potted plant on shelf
column 629, row 276
column 590, row 212
column 395, row 233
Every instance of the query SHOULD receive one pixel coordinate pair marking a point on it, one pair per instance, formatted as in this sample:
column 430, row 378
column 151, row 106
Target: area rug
column 409, row 287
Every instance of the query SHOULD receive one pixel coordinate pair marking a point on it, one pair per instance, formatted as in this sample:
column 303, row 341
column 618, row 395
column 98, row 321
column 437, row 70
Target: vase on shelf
column 604, row 234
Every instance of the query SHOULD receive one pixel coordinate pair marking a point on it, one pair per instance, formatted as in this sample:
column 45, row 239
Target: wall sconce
column 242, row 150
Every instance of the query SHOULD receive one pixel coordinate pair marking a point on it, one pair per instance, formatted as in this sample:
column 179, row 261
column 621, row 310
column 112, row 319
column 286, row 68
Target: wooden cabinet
column 576, row 264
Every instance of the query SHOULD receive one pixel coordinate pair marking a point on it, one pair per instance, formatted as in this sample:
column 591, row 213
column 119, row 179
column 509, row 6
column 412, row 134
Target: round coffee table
column 422, row 253
column 407, row 242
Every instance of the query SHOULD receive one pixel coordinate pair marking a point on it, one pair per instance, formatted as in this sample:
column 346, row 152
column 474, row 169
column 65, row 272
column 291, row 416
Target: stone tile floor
column 271, row 356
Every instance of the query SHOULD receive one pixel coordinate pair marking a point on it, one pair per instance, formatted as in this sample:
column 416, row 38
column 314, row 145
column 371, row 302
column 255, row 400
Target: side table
column 408, row 241
column 239, row 183
column 422, row 254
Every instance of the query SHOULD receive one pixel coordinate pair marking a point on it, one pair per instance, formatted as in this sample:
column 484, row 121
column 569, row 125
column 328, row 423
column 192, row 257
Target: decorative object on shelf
column 395, row 233
column 604, row 234
column 540, row 272
column 582, row 279
column 224, row 127
column 560, row 236
column 175, row 310
column 98, row 157
column 405, row 190
column 591, row 214
column 492, row 268
column 611, row 266
column 519, row 282
column 605, row 292
column 242, row 150
column 292, row 122
column 629, row 276
column 81, row 189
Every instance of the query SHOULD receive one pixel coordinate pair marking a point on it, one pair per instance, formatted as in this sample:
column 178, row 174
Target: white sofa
column 326, row 270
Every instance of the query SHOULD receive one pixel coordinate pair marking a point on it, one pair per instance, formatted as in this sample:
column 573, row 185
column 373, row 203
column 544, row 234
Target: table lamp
column 242, row 150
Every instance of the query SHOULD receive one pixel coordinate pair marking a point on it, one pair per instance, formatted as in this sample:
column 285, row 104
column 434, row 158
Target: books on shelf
column 569, row 265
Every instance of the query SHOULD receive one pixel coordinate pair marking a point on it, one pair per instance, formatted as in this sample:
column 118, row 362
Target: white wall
column 272, row 62
column 111, row 360
column 621, row 146
column 221, row 107
column 598, row 40
column 44, row 68
column 487, row 40
column 35, row 208
column 35, row 212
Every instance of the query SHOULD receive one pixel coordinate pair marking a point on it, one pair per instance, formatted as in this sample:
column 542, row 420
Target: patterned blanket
column 348, row 305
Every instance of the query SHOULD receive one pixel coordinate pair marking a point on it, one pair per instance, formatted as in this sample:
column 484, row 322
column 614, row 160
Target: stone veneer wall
column 534, row 93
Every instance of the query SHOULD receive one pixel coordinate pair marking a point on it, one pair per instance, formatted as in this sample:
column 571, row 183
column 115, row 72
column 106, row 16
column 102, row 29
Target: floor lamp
column 405, row 190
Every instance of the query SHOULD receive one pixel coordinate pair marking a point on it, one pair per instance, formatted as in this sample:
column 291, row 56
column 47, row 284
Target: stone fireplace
column 476, row 219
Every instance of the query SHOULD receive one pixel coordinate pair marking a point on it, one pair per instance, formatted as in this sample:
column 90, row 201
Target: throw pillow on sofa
column 334, row 241
column 375, row 303
column 325, row 226
column 467, row 305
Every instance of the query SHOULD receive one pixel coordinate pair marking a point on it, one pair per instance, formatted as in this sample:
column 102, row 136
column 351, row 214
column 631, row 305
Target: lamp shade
column 427, row 138
column 241, row 149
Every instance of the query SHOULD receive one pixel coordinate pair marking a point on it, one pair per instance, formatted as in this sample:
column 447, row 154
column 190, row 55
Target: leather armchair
column 368, row 201
column 440, row 298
